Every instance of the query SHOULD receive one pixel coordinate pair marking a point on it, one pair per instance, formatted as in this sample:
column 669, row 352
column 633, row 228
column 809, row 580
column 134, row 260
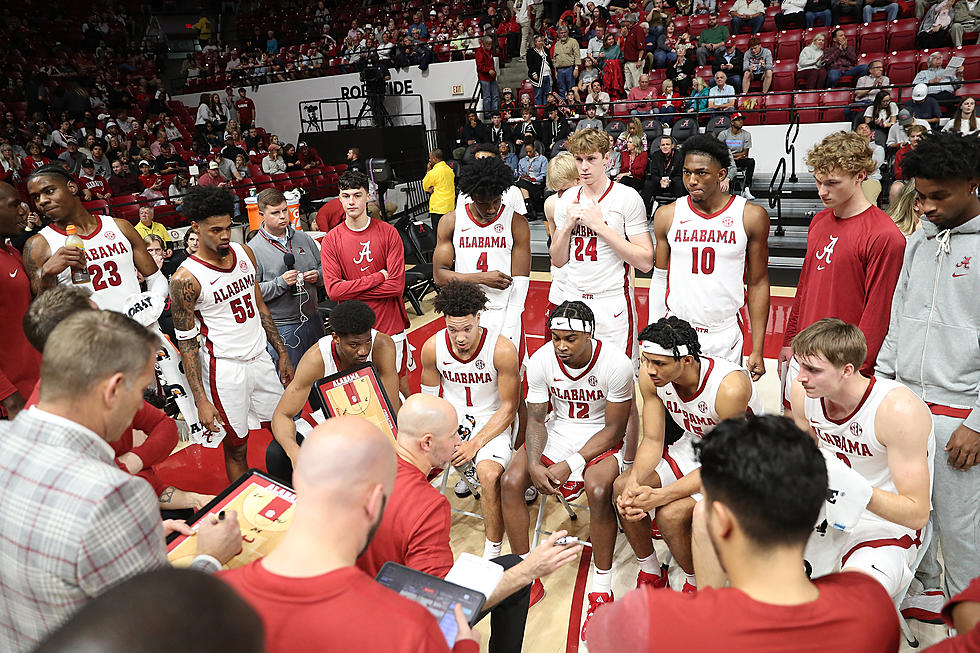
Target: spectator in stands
column 881, row 115
column 868, row 86
column 158, row 143
column 486, row 73
column 665, row 53
column 123, row 180
column 179, row 186
column 818, row 10
column 440, row 183
column 906, row 214
column 711, row 41
column 634, row 50
column 231, row 150
column 531, row 171
column 699, row 95
column 147, row 176
column 599, row 99
column 682, row 72
column 964, row 120
column 633, row 164
column 739, row 142
column 670, row 102
column 474, row 131
column 93, row 185
column 554, row 129
column 657, row 19
column 841, row 60
column 308, row 157
column 612, row 159
column 810, row 71
column 540, row 70
column 85, row 147
column 72, row 157
column 273, row 163
column 213, row 176
column 939, row 84
column 240, row 168
column 499, row 130
column 633, row 128
column 791, row 13
column 898, row 134
column 290, row 158
column 841, row 8
column 271, row 42
column 664, row 170
column 35, row 158
column 610, row 51
column 872, row 185
column 641, row 97
column 872, row 7
column 204, row 122
column 935, row 28
column 147, row 226
column 748, row 13
column 757, row 66
column 730, row 61
column 924, row 106
column 596, row 43
column 11, row 165
column 507, row 156
column 567, row 60
column 245, row 108
column 590, row 121
column 916, row 134
column 588, row 74
column 528, row 129
column 721, row 97
column 354, row 160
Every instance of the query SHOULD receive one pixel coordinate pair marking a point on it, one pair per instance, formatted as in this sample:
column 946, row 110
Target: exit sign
column 457, row 89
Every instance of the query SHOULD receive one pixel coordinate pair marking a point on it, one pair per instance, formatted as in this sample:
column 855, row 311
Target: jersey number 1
column 706, row 260
column 585, row 247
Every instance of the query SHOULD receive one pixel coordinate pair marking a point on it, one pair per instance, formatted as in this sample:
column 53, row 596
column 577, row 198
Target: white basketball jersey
column 594, row 269
column 578, row 396
column 853, row 439
column 706, row 271
column 512, row 197
column 697, row 414
column 481, row 247
column 225, row 311
column 471, row 384
column 328, row 351
column 109, row 256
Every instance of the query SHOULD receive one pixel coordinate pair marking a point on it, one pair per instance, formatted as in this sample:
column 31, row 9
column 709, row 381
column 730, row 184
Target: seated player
column 478, row 371
column 697, row 392
column 590, row 390
column 881, row 430
column 354, row 341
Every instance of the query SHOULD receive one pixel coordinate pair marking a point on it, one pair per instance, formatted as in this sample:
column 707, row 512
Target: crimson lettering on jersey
column 483, row 242
column 577, row 394
column 467, row 378
column 582, row 230
column 234, row 288
column 704, row 236
column 693, row 423
column 93, row 254
column 846, row 445
column 97, row 185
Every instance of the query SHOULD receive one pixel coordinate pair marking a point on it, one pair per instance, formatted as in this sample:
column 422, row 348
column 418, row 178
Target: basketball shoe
column 689, row 589
column 923, row 605
column 462, row 490
column 537, row 593
column 653, row 581
column 596, row 599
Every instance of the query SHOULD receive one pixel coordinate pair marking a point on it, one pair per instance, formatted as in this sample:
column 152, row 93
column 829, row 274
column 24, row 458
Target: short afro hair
column 708, row 146
column 203, row 202
column 460, row 298
column 486, row 178
column 50, row 170
column 944, row 155
column 488, row 148
column 352, row 318
column 353, row 179
column 671, row 333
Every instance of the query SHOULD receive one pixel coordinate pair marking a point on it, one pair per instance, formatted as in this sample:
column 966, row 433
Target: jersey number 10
column 705, row 263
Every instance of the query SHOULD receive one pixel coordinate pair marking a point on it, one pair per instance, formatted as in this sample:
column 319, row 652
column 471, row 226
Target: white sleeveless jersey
column 470, row 385
column 482, row 247
column 853, row 438
column 328, row 351
column 697, row 414
column 578, row 396
column 109, row 256
column 225, row 311
column 706, row 272
column 594, row 269
column 512, row 198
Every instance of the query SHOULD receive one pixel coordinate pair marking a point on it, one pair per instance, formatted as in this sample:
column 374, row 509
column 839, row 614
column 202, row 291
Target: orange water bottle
column 74, row 240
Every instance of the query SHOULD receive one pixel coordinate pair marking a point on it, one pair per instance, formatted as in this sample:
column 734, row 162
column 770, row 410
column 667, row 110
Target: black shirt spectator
column 474, row 131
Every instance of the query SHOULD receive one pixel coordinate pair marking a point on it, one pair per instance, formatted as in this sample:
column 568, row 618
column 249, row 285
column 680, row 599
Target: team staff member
column 307, row 590
column 91, row 524
column 364, row 259
column 764, row 483
column 293, row 308
column 415, row 528
column 20, row 364
column 440, row 182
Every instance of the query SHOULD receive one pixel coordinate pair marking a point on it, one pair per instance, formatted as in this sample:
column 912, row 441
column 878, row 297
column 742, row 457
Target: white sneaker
column 925, row 605
column 747, row 194
column 462, row 490
column 530, row 495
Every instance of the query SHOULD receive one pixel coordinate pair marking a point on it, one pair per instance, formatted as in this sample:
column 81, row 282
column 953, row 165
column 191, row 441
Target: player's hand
column 559, row 473
column 311, row 276
column 285, row 370
column 541, row 479
column 220, row 538
column 587, row 213
column 61, row 260
column 547, row 557
column 496, row 279
column 641, row 501
column 290, row 276
column 208, row 416
column 963, row 448
column 465, row 452
column 623, row 500
column 176, row 526
column 785, row 355
column 385, row 274
column 463, row 630
column 131, row 462
column 756, row 366
column 724, row 184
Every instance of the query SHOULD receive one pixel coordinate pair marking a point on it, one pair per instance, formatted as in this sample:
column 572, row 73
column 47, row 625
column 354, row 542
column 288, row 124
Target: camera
column 373, row 77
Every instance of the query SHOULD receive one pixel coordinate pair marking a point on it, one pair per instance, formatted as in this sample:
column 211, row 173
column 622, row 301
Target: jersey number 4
column 242, row 308
column 705, row 263
column 585, row 247
column 578, row 410
column 104, row 275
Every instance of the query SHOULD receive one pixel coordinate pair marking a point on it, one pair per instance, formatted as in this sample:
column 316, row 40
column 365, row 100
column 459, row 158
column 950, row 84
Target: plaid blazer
column 72, row 524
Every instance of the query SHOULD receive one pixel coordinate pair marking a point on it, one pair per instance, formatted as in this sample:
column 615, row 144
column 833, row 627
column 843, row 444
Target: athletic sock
column 691, row 579
column 491, row 549
column 523, row 556
column 650, row 564
column 601, row 580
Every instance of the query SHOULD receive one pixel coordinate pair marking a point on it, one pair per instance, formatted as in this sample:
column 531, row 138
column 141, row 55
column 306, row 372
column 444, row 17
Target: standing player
column 214, row 295
column 485, row 241
column 354, row 341
column 364, row 259
column 881, row 430
column 589, row 386
column 854, row 253
column 707, row 243
column 697, row 392
column 114, row 252
column 512, row 197
column 478, row 371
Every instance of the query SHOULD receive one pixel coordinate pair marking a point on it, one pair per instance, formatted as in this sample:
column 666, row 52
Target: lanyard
column 276, row 243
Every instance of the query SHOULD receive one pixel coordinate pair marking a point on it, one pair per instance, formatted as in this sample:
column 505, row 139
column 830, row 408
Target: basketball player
column 562, row 175
column 478, row 372
column 114, row 252
column 512, row 197
column 707, row 243
column 364, row 259
column 698, row 392
column 488, row 243
column 881, row 430
column 854, row 253
column 589, row 386
column 354, row 341
column 214, row 295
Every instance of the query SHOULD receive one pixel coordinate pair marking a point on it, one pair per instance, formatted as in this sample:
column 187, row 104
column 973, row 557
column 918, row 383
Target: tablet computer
column 357, row 391
column 435, row 594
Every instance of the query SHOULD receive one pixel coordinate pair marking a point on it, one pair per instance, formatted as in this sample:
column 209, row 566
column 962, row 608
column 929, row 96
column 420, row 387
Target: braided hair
column 671, row 333
column 574, row 311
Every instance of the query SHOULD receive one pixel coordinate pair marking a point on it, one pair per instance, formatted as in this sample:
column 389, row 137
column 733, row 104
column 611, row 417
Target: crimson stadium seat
column 971, row 63
column 970, row 89
column 696, row 25
column 777, row 108
column 282, row 181
column 97, row 206
column 901, row 66
column 769, row 41
column 873, row 38
column 833, row 113
column 901, row 34
column 784, row 75
column 789, row 44
column 808, row 106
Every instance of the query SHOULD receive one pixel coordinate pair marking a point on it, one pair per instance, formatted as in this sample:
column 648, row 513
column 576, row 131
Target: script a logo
column 963, row 267
column 828, row 251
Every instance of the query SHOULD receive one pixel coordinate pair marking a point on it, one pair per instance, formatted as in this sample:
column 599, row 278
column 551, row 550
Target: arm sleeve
column 394, row 285
column 428, row 547
column 161, row 435
column 622, row 626
column 883, row 269
column 272, row 288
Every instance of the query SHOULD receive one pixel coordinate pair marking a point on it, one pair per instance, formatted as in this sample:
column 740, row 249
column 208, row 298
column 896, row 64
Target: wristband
column 430, row 390
column 575, row 462
column 190, row 334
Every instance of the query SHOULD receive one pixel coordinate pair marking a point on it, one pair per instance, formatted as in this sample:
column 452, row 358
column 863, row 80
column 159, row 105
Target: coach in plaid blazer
column 72, row 523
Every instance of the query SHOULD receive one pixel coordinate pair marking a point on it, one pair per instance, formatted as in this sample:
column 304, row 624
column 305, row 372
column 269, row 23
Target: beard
column 374, row 527
column 223, row 250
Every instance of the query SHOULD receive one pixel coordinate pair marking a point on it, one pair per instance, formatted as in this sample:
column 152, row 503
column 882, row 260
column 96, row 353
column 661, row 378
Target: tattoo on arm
column 38, row 284
column 167, row 495
column 272, row 334
column 183, row 296
column 537, row 435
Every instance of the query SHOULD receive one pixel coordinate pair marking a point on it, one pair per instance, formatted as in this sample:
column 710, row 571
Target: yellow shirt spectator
column 203, row 26
column 440, row 182
column 153, row 228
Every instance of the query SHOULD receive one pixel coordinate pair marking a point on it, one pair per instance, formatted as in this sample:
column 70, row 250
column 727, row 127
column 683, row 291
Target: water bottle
column 81, row 276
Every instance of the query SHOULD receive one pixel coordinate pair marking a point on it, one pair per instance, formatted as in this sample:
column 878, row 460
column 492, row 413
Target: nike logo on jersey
column 14, row 274
column 685, row 221
column 466, row 229
column 363, row 269
column 214, row 281
column 962, row 274
column 556, row 380
column 618, row 314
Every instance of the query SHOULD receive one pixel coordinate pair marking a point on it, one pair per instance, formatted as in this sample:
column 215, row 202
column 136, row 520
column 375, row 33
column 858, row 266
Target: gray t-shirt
column 736, row 142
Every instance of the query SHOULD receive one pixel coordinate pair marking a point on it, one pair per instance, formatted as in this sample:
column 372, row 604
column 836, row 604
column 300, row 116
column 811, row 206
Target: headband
column 648, row 347
column 571, row 324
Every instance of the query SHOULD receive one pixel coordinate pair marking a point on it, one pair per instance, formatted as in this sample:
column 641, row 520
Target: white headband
column 648, row 347
column 570, row 324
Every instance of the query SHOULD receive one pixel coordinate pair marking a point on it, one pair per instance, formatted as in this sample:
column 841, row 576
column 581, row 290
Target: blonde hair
column 834, row 339
column 698, row 83
column 588, row 141
column 636, row 125
column 845, row 151
column 665, row 84
column 637, row 143
column 562, row 172
column 904, row 212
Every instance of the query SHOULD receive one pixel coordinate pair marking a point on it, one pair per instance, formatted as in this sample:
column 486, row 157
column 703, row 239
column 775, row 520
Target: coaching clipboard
column 264, row 507
column 436, row 595
column 357, row 391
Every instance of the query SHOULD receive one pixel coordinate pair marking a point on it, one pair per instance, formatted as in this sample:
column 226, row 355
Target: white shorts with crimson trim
column 245, row 393
column 615, row 322
column 721, row 341
column 493, row 321
column 404, row 354
column 678, row 461
column 499, row 450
